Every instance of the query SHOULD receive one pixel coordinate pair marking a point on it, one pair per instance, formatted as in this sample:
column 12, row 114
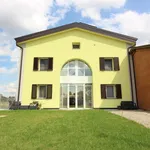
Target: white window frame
column 38, row 91
column 114, row 90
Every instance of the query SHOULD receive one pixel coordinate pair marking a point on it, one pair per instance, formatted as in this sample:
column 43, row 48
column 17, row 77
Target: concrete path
column 139, row 116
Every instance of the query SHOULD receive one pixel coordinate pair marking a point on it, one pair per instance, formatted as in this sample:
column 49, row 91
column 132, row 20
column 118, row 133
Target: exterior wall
column 142, row 74
column 92, row 46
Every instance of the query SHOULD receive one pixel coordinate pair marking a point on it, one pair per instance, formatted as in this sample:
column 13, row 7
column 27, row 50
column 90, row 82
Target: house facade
column 141, row 60
column 75, row 66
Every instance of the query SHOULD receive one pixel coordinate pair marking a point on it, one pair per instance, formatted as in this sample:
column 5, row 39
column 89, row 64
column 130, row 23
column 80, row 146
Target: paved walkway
column 139, row 116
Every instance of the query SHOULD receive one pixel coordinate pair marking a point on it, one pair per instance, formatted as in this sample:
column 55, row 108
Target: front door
column 76, row 96
column 80, row 96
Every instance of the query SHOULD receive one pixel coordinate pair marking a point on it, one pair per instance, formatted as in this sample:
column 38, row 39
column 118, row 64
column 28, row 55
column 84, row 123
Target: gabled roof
column 76, row 25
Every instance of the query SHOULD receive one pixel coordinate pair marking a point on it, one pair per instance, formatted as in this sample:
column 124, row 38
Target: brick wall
column 142, row 74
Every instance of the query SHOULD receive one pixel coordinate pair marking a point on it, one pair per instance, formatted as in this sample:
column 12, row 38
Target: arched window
column 76, row 68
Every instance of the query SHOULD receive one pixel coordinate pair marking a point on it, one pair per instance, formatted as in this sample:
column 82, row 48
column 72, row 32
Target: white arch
column 76, row 71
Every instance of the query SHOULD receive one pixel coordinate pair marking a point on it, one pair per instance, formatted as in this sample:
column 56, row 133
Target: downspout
column 132, row 75
column 18, row 96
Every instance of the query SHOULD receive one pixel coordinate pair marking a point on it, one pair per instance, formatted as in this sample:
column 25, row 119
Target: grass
column 70, row 130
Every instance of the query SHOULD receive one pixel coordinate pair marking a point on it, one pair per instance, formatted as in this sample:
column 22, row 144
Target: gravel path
column 139, row 116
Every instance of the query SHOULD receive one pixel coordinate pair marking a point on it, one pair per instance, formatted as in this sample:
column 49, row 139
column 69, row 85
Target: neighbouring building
column 75, row 66
column 141, row 60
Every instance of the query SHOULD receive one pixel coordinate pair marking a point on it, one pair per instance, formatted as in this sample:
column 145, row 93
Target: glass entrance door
column 76, row 96
column 80, row 96
column 72, row 96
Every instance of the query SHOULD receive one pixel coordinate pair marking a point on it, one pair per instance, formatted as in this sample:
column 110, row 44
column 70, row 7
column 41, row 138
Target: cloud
column 9, row 89
column 91, row 9
column 4, row 70
column 22, row 16
column 5, row 50
column 130, row 23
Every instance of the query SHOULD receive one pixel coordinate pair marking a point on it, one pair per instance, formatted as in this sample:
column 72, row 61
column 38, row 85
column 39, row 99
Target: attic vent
column 76, row 45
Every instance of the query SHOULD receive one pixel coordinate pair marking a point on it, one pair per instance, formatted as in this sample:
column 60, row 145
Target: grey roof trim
column 76, row 25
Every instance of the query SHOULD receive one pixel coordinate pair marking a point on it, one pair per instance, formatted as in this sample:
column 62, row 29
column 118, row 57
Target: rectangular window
column 108, row 64
column 110, row 91
column 43, row 64
column 76, row 45
column 42, row 91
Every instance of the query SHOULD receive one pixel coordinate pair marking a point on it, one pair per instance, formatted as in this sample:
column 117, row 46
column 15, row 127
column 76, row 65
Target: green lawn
column 70, row 130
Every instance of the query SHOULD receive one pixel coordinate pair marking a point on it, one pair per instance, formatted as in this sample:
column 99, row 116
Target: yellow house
column 75, row 66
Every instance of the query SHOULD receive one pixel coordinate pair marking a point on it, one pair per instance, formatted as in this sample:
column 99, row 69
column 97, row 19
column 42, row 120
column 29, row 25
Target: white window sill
column 111, row 98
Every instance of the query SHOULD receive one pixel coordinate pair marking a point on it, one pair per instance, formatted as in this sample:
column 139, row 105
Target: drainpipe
column 132, row 75
column 20, row 70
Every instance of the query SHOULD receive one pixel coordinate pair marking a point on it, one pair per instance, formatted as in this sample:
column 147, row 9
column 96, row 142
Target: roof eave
column 76, row 25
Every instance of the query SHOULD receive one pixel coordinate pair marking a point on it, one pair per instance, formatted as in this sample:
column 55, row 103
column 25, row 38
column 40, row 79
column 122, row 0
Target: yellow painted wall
column 59, row 46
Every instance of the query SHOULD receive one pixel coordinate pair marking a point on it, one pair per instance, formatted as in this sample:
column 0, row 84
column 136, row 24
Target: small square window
column 110, row 91
column 76, row 45
column 43, row 64
column 108, row 64
column 42, row 91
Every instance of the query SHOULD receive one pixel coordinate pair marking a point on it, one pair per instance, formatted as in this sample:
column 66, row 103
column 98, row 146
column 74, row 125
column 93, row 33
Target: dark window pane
column 76, row 46
column 88, row 72
column 81, row 64
column 43, row 64
column 71, row 72
column 80, row 72
column 42, row 91
column 71, row 64
column 108, row 64
column 110, row 91
column 80, row 93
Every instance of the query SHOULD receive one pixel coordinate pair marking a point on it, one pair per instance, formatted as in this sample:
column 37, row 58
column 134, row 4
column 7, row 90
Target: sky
column 21, row 17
